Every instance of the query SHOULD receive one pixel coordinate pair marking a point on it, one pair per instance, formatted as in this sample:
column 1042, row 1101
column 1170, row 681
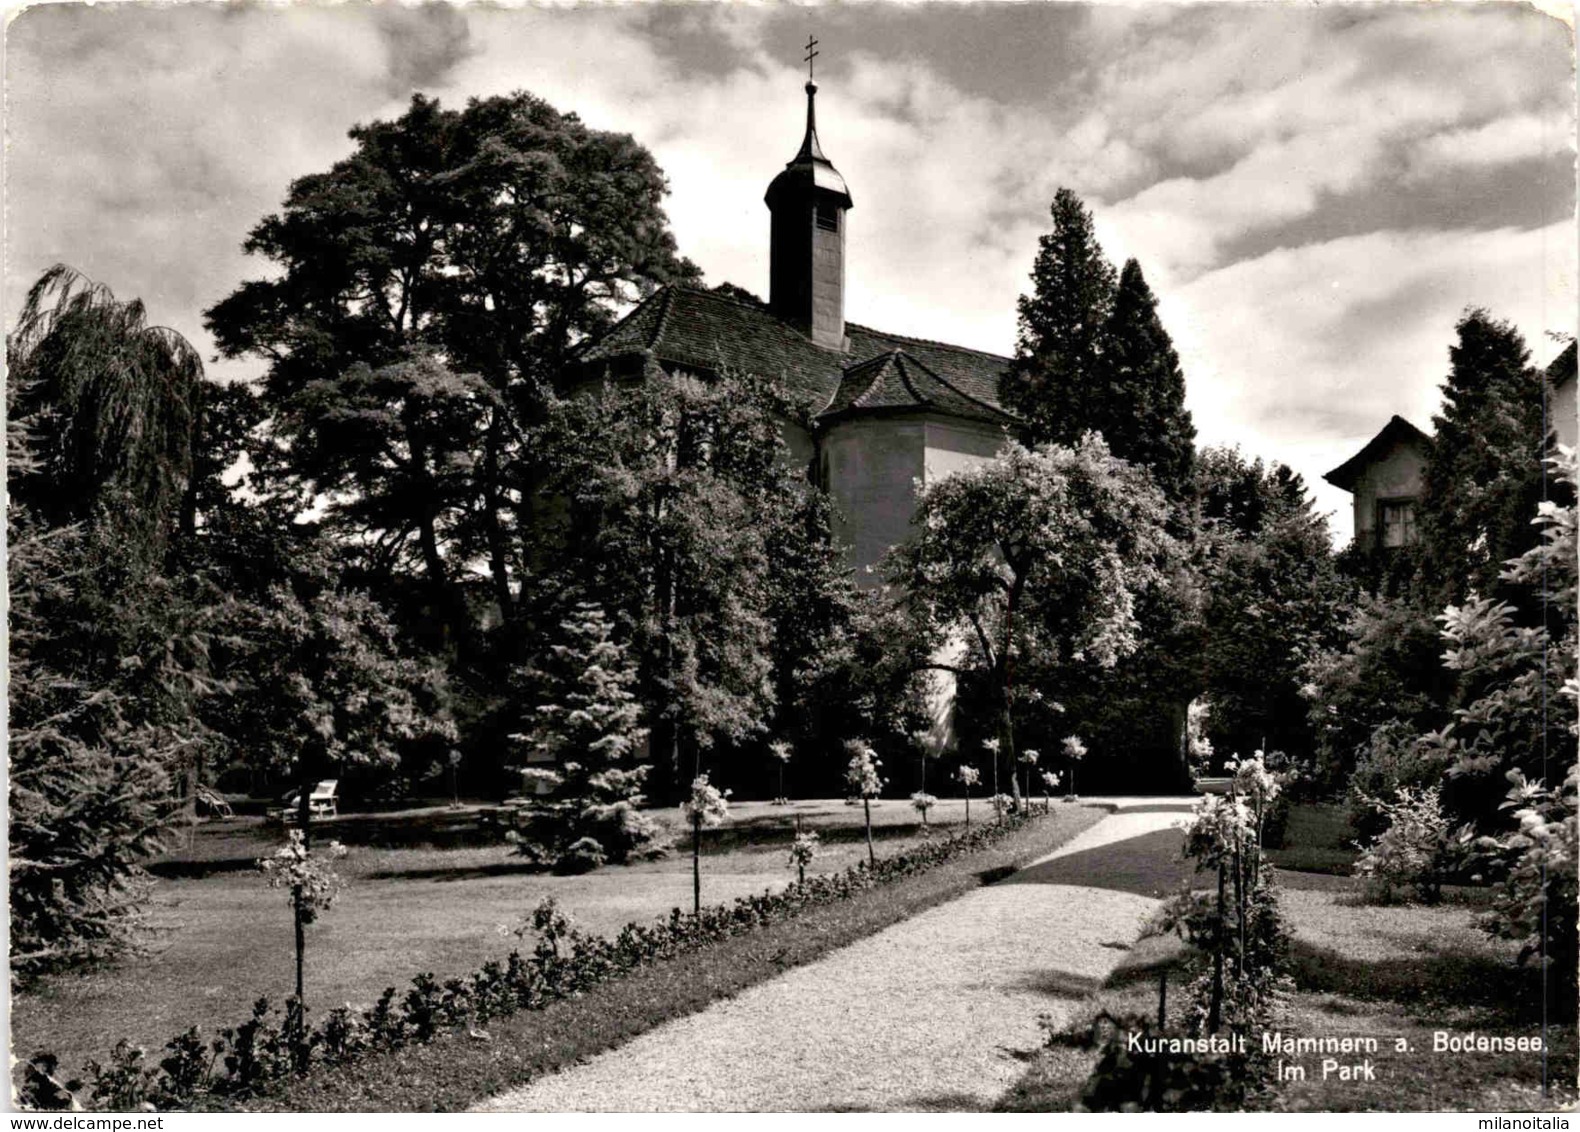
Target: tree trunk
column 968, row 808
column 1240, row 895
column 1215, row 1007
column 304, row 807
column 498, row 558
column 301, row 948
column 696, row 866
column 866, row 805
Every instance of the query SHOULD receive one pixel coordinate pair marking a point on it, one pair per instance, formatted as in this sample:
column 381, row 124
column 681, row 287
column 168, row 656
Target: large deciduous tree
column 1272, row 599
column 1036, row 560
column 671, row 495
column 486, row 241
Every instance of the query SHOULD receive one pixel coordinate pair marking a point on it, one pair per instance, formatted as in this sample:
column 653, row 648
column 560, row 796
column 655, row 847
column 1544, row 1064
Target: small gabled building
column 883, row 413
column 1562, row 422
column 1386, row 479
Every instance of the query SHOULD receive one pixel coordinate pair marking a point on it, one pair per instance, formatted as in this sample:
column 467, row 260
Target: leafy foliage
column 1036, row 560
column 1412, row 853
column 108, row 652
column 1272, row 598
column 1536, row 863
column 430, row 289
column 676, row 493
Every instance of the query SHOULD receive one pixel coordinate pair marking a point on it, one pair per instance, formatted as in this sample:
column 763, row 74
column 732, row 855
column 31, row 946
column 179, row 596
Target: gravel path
column 929, row 1014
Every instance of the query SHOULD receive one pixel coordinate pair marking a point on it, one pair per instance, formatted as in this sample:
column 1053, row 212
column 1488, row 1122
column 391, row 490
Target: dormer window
column 827, row 216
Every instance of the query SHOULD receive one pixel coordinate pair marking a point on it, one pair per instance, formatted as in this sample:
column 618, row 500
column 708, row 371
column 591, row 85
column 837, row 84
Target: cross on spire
column 811, row 55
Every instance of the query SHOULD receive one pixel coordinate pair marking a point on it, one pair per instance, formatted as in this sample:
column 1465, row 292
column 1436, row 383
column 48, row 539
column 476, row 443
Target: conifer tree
column 1484, row 474
column 1140, row 399
column 586, row 724
column 1052, row 383
column 107, row 653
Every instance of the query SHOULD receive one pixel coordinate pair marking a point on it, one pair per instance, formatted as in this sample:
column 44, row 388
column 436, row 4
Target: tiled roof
column 1396, row 431
column 684, row 327
column 1562, row 368
column 897, row 381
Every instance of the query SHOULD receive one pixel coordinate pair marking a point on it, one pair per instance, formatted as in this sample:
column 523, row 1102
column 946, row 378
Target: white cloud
column 144, row 147
column 1516, row 137
column 1302, row 354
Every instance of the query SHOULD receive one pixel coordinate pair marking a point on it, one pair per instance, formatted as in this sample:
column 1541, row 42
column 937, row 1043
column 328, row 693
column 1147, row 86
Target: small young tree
column 312, row 883
column 922, row 801
column 990, row 748
column 968, row 776
column 707, row 807
column 780, row 751
column 1028, row 761
column 862, row 776
column 1074, row 752
column 1050, row 779
column 803, row 851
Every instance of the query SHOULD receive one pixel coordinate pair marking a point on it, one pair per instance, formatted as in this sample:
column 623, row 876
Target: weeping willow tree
column 105, row 654
column 110, row 405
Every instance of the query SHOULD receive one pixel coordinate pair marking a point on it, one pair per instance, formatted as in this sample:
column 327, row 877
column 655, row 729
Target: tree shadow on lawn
column 1149, row 865
column 1440, row 976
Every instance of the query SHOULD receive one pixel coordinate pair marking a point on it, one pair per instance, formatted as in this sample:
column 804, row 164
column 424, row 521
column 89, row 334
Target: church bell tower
column 806, row 252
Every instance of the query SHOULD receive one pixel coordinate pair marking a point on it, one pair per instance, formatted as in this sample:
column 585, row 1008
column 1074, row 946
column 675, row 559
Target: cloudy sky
column 1314, row 192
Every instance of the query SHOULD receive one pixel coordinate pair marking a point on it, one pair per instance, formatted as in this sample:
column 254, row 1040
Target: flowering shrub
column 307, row 877
column 1538, row 904
column 803, row 851
column 1002, row 804
column 1412, row 853
column 922, row 802
column 563, row 962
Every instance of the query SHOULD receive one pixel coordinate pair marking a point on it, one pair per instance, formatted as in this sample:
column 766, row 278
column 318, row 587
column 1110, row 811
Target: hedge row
column 244, row 1060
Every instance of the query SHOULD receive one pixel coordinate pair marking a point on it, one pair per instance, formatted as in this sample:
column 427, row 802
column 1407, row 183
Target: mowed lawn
column 219, row 941
column 1410, row 971
column 1359, row 970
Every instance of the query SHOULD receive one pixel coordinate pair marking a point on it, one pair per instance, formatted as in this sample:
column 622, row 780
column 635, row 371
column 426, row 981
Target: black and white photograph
column 681, row 557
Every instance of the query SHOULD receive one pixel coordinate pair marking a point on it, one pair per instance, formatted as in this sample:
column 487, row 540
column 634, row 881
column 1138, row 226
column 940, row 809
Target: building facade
column 1387, row 477
column 887, row 413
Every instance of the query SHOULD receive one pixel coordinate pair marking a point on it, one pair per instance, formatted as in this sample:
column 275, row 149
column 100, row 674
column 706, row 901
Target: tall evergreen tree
column 1140, row 395
column 1053, row 381
column 586, row 724
column 1484, row 476
column 107, row 652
